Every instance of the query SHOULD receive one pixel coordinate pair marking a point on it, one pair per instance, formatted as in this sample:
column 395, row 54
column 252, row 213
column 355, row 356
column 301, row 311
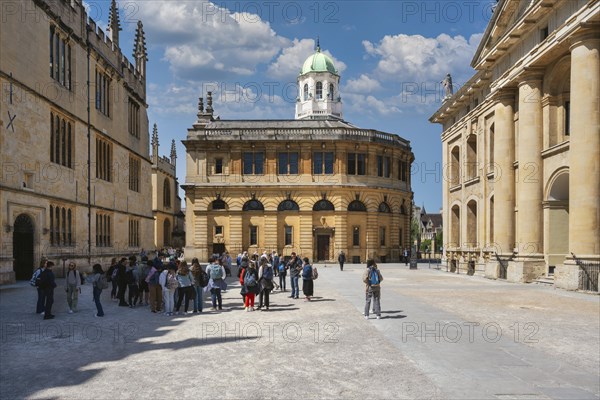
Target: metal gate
column 503, row 266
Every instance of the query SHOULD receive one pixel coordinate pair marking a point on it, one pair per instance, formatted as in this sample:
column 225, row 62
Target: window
column 543, row 33
column 134, row 174
column 357, row 205
column 357, row 163
column 323, row 205
column 382, row 235
column 319, row 93
column 323, row 163
column 400, row 238
column 167, row 193
column 383, row 166
column 103, row 160
column 102, row 93
column 218, row 165
column 567, row 118
column 288, row 235
column 60, row 59
column 253, row 205
column 288, row 205
column 305, row 91
column 330, row 93
column 472, row 163
column 253, row 235
column 253, row 163
column 403, row 171
column 134, row 233
column 288, row 163
column 61, row 140
column 219, row 205
column 384, row 208
column 219, row 230
column 133, row 118
column 61, row 226
column 103, row 237
column 356, row 236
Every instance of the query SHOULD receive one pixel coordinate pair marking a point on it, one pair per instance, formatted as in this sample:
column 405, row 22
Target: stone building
column 315, row 185
column 166, row 203
column 50, row 51
column 521, row 145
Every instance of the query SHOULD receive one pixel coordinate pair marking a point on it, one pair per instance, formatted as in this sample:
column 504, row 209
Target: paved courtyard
column 441, row 336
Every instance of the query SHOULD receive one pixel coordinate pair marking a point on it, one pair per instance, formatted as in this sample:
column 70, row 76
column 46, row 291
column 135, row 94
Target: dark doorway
column 323, row 247
column 218, row 248
column 23, row 247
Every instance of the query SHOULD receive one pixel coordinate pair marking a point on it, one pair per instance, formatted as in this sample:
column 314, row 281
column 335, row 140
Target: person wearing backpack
column 250, row 286
column 72, row 283
column 342, row 260
column 169, row 283
column 281, row 268
column 265, row 278
column 35, row 282
column 132, row 282
column 200, row 282
column 186, row 280
column 153, row 285
column 99, row 282
column 372, row 278
column 307, row 279
column 216, row 283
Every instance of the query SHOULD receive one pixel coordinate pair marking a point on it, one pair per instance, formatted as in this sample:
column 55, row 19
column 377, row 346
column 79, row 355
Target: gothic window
column 134, row 174
column 288, row 205
column 319, row 92
column 323, row 205
column 357, row 205
column 61, row 226
column 103, row 93
column 384, row 208
column 253, row 205
column 134, row 232
column 60, row 59
column 167, row 193
column 103, row 160
column 103, row 231
column 133, row 118
column 61, row 140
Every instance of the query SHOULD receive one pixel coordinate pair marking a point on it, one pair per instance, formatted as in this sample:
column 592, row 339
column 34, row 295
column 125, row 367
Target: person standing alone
column 342, row 260
column 47, row 284
column 372, row 278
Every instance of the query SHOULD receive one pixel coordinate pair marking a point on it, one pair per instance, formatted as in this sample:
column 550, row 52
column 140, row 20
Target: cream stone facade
column 50, row 50
column 521, row 146
column 316, row 185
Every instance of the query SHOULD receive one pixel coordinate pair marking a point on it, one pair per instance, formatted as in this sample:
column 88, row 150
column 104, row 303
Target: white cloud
column 203, row 41
column 360, row 104
column 289, row 63
column 364, row 84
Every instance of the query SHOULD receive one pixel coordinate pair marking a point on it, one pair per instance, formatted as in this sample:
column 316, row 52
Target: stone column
column 530, row 263
column 584, row 156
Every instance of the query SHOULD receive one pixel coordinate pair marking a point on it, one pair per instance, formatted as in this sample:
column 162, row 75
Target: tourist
column 122, row 281
column 200, row 282
column 39, row 309
column 250, row 286
column 132, row 277
column 405, row 255
column 169, row 283
column 153, row 285
column 226, row 263
column 47, row 284
column 216, row 282
column 372, row 278
column 307, row 279
column 110, row 275
column 99, row 282
column 186, row 280
column 282, row 269
column 342, row 260
column 275, row 262
column 72, row 287
column 265, row 278
column 143, row 269
column 294, row 265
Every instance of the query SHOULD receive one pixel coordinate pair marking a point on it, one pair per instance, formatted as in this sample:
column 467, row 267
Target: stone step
column 546, row 280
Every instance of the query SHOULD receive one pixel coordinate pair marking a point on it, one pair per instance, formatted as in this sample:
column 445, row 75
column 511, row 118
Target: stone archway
column 556, row 221
column 23, row 236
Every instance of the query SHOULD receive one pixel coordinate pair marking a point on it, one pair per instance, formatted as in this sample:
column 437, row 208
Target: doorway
column 323, row 247
column 23, row 247
column 218, row 248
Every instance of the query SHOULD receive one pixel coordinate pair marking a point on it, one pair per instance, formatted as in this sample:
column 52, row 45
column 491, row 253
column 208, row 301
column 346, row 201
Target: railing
column 589, row 279
column 503, row 263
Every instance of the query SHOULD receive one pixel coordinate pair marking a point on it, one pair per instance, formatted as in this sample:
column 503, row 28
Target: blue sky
column 391, row 55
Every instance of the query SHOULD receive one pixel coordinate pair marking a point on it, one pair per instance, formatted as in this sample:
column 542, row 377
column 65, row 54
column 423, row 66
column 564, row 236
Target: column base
column 566, row 276
column 571, row 276
column 492, row 270
column 526, row 271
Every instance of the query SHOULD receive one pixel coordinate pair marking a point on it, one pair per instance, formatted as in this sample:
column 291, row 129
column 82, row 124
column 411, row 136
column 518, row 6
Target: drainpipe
column 89, row 139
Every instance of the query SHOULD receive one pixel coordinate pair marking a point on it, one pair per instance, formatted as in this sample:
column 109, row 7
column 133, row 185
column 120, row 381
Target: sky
column 391, row 55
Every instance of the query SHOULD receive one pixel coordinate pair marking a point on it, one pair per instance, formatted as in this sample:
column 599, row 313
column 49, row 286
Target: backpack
column 171, row 281
column 249, row 280
column 216, row 272
column 102, row 282
column 202, row 278
column 35, row 278
column 130, row 278
column 373, row 277
column 114, row 274
column 282, row 268
column 315, row 273
column 154, row 278
column 268, row 273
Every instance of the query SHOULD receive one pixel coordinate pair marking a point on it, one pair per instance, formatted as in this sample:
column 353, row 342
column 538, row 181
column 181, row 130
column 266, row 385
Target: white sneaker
column 70, row 311
column 366, row 317
column 378, row 317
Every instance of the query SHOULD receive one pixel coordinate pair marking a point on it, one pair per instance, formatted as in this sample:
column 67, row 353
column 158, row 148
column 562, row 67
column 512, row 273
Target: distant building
column 50, row 51
column 429, row 226
column 315, row 185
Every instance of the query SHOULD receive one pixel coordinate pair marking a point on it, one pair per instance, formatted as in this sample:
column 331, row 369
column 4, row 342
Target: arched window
column 472, row 223
column 323, row 205
column 455, row 227
column 384, row 208
column 288, row 205
column 218, row 204
column 472, row 167
column 330, row 92
column 357, row 205
column 305, row 91
column 319, row 93
column 167, row 193
column 253, row 205
column 455, row 166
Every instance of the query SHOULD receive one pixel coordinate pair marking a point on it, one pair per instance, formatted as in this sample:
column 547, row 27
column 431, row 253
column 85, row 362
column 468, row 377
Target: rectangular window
column 323, row 163
column 288, row 163
column 400, row 238
column 253, row 163
column 356, row 236
column 543, row 33
column 402, row 170
column 134, row 174
column 103, row 160
column 218, row 165
column 253, row 235
column 288, row 235
column 134, row 233
column 382, row 235
column 218, row 230
column 103, row 226
column 380, row 166
column 61, row 140
column 60, row 58
column 61, row 226
column 103, row 93
column 133, row 118
column 386, row 167
column 567, row 118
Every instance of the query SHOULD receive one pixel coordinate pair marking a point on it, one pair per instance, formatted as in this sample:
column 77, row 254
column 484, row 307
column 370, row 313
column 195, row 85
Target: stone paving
column 441, row 336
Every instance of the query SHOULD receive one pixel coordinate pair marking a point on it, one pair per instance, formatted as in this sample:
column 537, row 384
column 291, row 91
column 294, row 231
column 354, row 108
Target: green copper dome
column 318, row 62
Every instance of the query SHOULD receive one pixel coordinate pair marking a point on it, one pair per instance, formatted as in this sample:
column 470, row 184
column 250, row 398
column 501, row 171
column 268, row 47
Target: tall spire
column 318, row 45
column 173, row 152
column 209, row 107
column 140, row 54
column 200, row 107
column 155, row 145
column 114, row 25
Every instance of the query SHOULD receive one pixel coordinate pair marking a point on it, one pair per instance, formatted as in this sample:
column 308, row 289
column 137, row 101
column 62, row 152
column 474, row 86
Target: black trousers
column 341, row 266
column 134, row 294
column 264, row 294
column 188, row 293
column 48, row 295
column 121, row 293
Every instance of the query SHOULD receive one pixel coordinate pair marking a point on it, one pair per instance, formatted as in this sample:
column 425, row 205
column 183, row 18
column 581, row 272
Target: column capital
column 531, row 74
column 589, row 32
column 505, row 94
